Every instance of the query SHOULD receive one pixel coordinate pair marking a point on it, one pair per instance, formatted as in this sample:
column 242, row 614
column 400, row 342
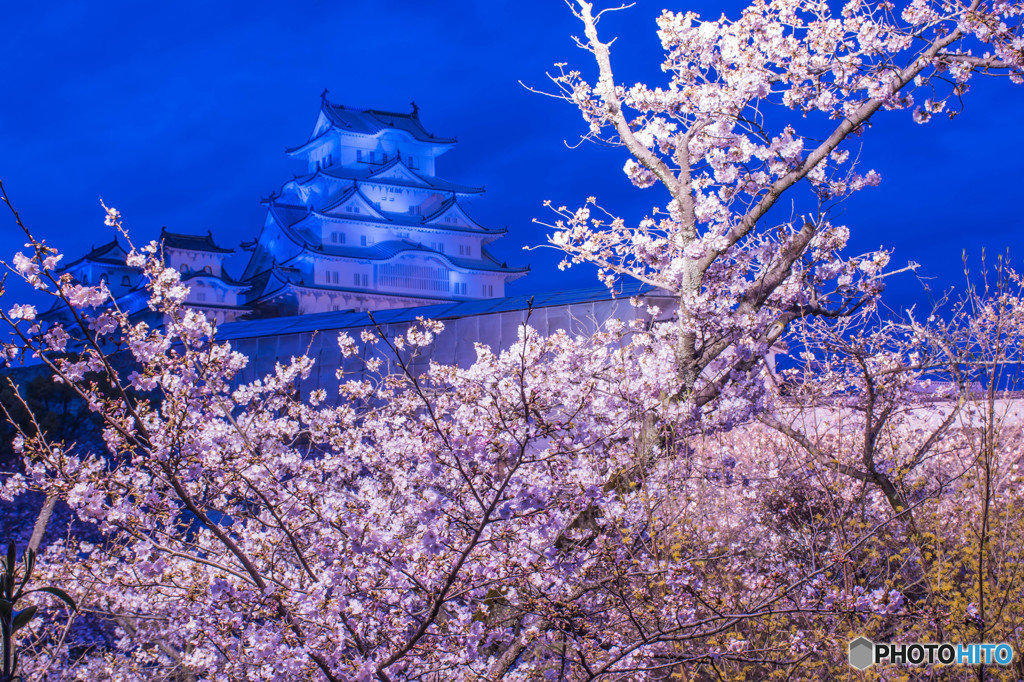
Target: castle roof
column 386, row 250
column 191, row 242
column 282, row 212
column 370, row 122
column 111, row 253
column 223, row 277
column 353, row 192
column 405, row 177
column 373, row 121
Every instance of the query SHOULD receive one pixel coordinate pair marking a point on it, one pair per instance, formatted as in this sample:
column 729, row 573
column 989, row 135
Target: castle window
column 366, row 280
column 385, row 157
column 334, row 278
column 359, row 155
column 334, row 237
column 355, row 279
column 208, row 270
column 342, row 237
column 410, row 276
column 440, row 247
column 183, row 268
column 412, row 162
column 126, row 281
column 362, row 240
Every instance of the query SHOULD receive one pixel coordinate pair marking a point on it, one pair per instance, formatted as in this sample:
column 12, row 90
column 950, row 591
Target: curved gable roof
column 373, row 121
column 191, row 242
column 111, row 253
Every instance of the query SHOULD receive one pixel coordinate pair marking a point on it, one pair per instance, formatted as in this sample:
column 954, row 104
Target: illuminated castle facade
column 369, row 227
column 198, row 259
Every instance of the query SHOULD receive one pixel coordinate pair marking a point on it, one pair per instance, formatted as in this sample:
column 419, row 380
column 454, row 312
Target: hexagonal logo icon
column 862, row 653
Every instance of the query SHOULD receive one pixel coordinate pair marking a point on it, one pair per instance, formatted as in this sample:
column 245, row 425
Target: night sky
column 178, row 115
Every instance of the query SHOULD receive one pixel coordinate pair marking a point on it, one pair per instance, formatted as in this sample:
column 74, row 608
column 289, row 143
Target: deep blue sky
column 178, row 114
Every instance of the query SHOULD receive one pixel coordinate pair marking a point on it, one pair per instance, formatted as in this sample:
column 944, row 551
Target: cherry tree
column 398, row 529
column 923, row 414
column 713, row 136
column 460, row 523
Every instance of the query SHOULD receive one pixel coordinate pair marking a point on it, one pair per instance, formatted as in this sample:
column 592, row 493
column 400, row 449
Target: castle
column 370, row 236
column 369, row 227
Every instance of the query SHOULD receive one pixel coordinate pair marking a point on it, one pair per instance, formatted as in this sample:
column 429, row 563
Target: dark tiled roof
column 344, row 196
column 442, row 209
column 389, row 249
column 111, row 253
column 372, row 121
column 288, row 215
column 224, row 277
column 191, row 242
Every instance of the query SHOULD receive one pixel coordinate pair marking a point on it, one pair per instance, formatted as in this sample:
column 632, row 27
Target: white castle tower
column 371, row 226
